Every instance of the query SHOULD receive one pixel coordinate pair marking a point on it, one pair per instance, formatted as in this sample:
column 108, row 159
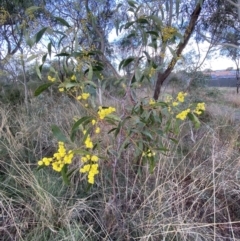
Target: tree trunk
column 163, row 76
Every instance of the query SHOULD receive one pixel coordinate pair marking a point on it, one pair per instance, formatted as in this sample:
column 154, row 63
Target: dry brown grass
column 193, row 194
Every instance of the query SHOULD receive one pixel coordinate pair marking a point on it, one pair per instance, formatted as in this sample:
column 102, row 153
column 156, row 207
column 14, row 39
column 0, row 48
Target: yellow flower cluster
column 182, row 115
column 88, row 142
column 4, row 15
column 168, row 33
column 61, row 89
column 180, row 98
column 148, row 153
column 152, row 101
column 101, row 77
column 91, row 168
column 103, row 112
column 152, row 72
column 59, row 159
column 88, row 157
column 200, row 108
column 97, row 129
column 168, row 99
column 181, row 95
column 51, row 78
column 83, row 96
column 175, row 103
column 73, row 78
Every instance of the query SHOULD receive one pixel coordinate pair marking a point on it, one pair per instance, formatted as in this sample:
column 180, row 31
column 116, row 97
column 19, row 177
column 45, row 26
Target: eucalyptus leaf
column 58, row 134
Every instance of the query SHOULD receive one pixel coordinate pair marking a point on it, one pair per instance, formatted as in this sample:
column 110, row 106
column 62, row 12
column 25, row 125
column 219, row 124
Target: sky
column 220, row 63
column 216, row 62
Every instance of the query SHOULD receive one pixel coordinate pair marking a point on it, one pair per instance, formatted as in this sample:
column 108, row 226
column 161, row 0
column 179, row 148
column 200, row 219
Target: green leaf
column 31, row 10
column 132, row 35
column 42, row 88
column 113, row 117
column 81, row 152
column 125, row 62
column 58, row 134
column 40, row 68
column 138, row 74
column 44, row 58
column 155, row 33
column 38, row 72
column 61, row 39
column 146, row 133
column 147, row 54
column 34, row 56
column 157, row 21
column 62, row 22
column 152, row 164
column 69, row 85
column 49, row 48
column 97, row 68
column 142, row 20
column 173, row 140
column 144, row 37
column 62, row 55
column 90, row 83
column 167, row 126
column 153, row 45
column 76, row 125
column 30, row 41
column 132, row 3
column 39, row 35
column 71, row 172
column 162, row 149
column 113, row 129
column 90, row 73
column 128, row 24
column 64, row 174
column 194, row 120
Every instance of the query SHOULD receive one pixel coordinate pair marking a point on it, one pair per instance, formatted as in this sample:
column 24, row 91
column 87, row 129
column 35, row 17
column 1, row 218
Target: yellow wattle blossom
column 182, row 115
column 59, row 159
column 175, row 103
column 181, row 95
column 168, row 32
column 152, row 101
column 103, row 112
column 85, row 96
column 92, row 171
column 84, row 159
column 73, row 78
column 168, row 99
column 94, row 158
column 200, row 108
column 97, row 130
column 93, row 122
column 61, row 89
column 148, row 153
column 91, row 168
column 51, row 78
column 88, row 143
